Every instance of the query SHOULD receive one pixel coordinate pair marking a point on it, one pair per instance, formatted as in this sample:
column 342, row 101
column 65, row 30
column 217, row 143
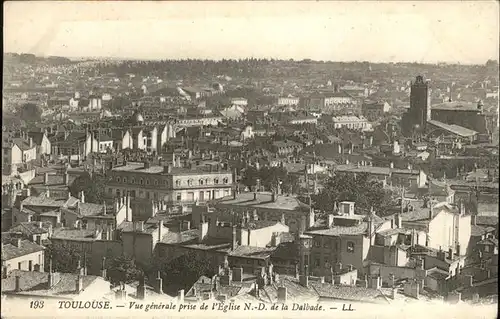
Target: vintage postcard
column 273, row 159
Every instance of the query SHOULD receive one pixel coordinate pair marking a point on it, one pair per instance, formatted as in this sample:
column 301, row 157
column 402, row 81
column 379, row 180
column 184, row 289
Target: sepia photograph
column 252, row 159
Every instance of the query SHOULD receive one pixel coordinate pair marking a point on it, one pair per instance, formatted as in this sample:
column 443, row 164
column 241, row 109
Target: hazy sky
column 448, row 31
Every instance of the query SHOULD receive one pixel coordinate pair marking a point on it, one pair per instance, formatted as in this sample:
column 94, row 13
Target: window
column 141, row 181
column 124, row 179
column 201, row 182
column 327, row 261
column 326, row 243
column 190, row 182
column 132, row 193
column 216, row 181
column 132, row 181
column 486, row 248
column 317, row 242
column 316, row 262
column 225, row 180
column 350, row 247
column 147, row 182
column 118, row 179
column 156, row 182
column 179, row 196
column 177, row 183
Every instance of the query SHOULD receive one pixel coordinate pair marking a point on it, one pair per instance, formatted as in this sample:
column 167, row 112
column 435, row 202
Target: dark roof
column 37, row 137
column 264, row 200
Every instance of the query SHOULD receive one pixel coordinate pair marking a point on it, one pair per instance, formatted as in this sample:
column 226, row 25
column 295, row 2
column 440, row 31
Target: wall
column 398, row 272
column 36, row 258
column 441, row 230
column 262, row 237
column 138, row 245
column 103, row 248
column 45, row 146
column 464, row 233
column 361, row 248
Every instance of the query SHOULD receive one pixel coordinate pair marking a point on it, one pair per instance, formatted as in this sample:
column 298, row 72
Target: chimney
column 282, row 294
column 450, row 253
column 141, row 289
column 330, row 220
column 18, row 283
column 31, row 142
column 159, row 284
column 79, row 284
column 103, row 268
column 234, row 242
column 160, row 230
column 17, row 242
column 173, row 160
column 46, row 179
column 140, row 226
column 180, row 296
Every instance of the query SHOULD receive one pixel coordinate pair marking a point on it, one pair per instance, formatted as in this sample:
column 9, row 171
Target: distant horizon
column 453, row 32
column 73, row 58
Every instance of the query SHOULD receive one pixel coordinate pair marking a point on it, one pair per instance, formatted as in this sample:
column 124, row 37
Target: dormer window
column 118, row 179
column 216, row 181
column 147, row 182
column 178, row 183
column 190, row 182
column 201, row 182
column 124, row 179
column 225, row 180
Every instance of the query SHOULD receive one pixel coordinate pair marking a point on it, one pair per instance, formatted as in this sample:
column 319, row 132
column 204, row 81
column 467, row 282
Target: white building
column 351, row 122
column 288, row 100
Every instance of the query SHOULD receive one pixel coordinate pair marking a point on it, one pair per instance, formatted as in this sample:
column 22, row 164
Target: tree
column 64, row 258
column 123, row 269
column 360, row 189
column 31, row 113
column 93, row 187
column 183, row 271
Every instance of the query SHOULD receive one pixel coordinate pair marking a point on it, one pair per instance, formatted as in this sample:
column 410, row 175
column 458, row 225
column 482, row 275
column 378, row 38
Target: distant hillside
column 27, row 58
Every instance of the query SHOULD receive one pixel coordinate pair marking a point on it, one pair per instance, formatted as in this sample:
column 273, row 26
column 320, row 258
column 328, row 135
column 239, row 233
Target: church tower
column 420, row 111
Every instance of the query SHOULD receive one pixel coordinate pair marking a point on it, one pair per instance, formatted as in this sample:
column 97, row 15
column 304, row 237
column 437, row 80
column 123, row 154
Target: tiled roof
column 487, row 220
column 455, row 129
column 53, row 180
column 23, row 144
column 252, row 252
column 341, row 230
column 295, row 291
column 73, row 234
column 11, row 251
column 264, row 200
column 480, row 230
column 43, row 201
column 346, row 293
column 34, row 283
column 180, row 237
column 30, row 228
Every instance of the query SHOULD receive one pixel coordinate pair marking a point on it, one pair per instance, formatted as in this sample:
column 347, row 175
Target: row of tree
column 179, row 272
